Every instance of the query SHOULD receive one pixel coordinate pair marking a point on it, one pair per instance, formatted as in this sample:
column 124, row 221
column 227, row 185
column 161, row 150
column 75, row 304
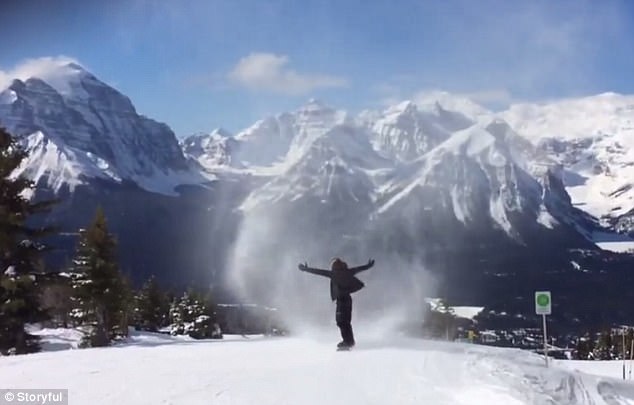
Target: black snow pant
column 343, row 317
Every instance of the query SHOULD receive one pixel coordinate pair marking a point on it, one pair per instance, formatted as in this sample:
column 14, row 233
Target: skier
column 342, row 283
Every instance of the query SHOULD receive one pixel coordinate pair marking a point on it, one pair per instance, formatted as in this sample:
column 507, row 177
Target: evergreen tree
column 621, row 338
column 583, row 348
column 604, row 347
column 193, row 314
column 152, row 307
column 440, row 321
column 100, row 292
column 56, row 299
column 592, row 344
column 123, row 313
column 20, row 258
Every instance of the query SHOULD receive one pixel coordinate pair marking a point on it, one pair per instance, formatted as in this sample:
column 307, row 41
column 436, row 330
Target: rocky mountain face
column 591, row 138
column 88, row 146
column 479, row 205
column 441, row 170
column 212, row 151
column 77, row 127
column 481, row 200
column 406, row 131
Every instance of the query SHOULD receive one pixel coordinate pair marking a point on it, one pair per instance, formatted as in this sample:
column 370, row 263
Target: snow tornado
column 263, row 269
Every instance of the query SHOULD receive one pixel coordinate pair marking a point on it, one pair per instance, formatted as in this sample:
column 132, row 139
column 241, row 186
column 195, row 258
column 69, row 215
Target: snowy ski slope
column 153, row 369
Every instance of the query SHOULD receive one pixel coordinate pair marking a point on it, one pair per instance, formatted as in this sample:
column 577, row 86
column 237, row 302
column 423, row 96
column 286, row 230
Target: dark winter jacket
column 342, row 281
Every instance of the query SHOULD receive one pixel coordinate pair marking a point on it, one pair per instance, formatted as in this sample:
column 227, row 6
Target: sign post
column 543, row 307
column 623, row 333
column 631, row 357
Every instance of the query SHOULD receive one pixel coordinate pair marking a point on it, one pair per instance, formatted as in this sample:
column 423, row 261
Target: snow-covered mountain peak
column 569, row 119
column 212, row 151
column 401, row 131
column 482, row 176
column 57, row 72
column 404, row 107
column 34, row 87
column 314, row 104
column 221, row 132
column 310, row 124
column 433, row 100
column 502, row 131
column 493, row 144
column 74, row 84
column 592, row 138
column 469, row 142
column 56, row 165
column 65, row 78
column 348, row 145
column 205, row 139
column 317, row 113
column 266, row 141
column 69, row 79
column 406, row 132
column 337, row 166
column 62, row 110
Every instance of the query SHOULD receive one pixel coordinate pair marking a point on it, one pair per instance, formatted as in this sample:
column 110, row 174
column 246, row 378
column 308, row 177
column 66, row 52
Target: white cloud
column 46, row 68
column 270, row 72
column 396, row 90
column 490, row 96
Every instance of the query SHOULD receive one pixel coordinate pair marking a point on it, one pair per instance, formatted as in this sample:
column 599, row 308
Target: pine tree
column 20, row 260
column 193, row 315
column 440, row 321
column 152, row 307
column 100, row 292
column 604, row 348
column 123, row 312
column 582, row 348
column 56, row 298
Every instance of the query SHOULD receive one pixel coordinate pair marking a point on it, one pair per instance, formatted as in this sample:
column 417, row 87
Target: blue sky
column 197, row 65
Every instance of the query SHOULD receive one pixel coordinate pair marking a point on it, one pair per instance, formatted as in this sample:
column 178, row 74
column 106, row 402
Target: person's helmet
column 338, row 264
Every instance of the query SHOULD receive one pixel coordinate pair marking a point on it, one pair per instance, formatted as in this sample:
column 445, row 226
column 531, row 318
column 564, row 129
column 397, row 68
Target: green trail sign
column 543, row 307
column 543, row 303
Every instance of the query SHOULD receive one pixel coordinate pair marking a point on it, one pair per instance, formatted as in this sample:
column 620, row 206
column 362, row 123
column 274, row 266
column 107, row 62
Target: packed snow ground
column 157, row 369
column 612, row 368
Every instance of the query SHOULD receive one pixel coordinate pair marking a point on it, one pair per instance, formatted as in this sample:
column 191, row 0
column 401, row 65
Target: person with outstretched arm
column 342, row 283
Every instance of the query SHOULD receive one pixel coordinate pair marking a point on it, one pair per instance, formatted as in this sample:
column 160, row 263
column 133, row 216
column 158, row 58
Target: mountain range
column 480, row 198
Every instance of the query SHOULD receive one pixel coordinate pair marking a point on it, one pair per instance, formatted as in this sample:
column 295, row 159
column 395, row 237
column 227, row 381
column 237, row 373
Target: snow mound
column 54, row 339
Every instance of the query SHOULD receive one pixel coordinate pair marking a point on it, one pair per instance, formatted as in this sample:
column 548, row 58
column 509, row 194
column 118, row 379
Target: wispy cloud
column 270, row 73
column 401, row 88
column 496, row 52
column 45, row 68
column 544, row 46
column 490, row 96
column 535, row 46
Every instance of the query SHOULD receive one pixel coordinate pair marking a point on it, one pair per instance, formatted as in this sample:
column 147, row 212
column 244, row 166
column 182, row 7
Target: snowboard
column 344, row 348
